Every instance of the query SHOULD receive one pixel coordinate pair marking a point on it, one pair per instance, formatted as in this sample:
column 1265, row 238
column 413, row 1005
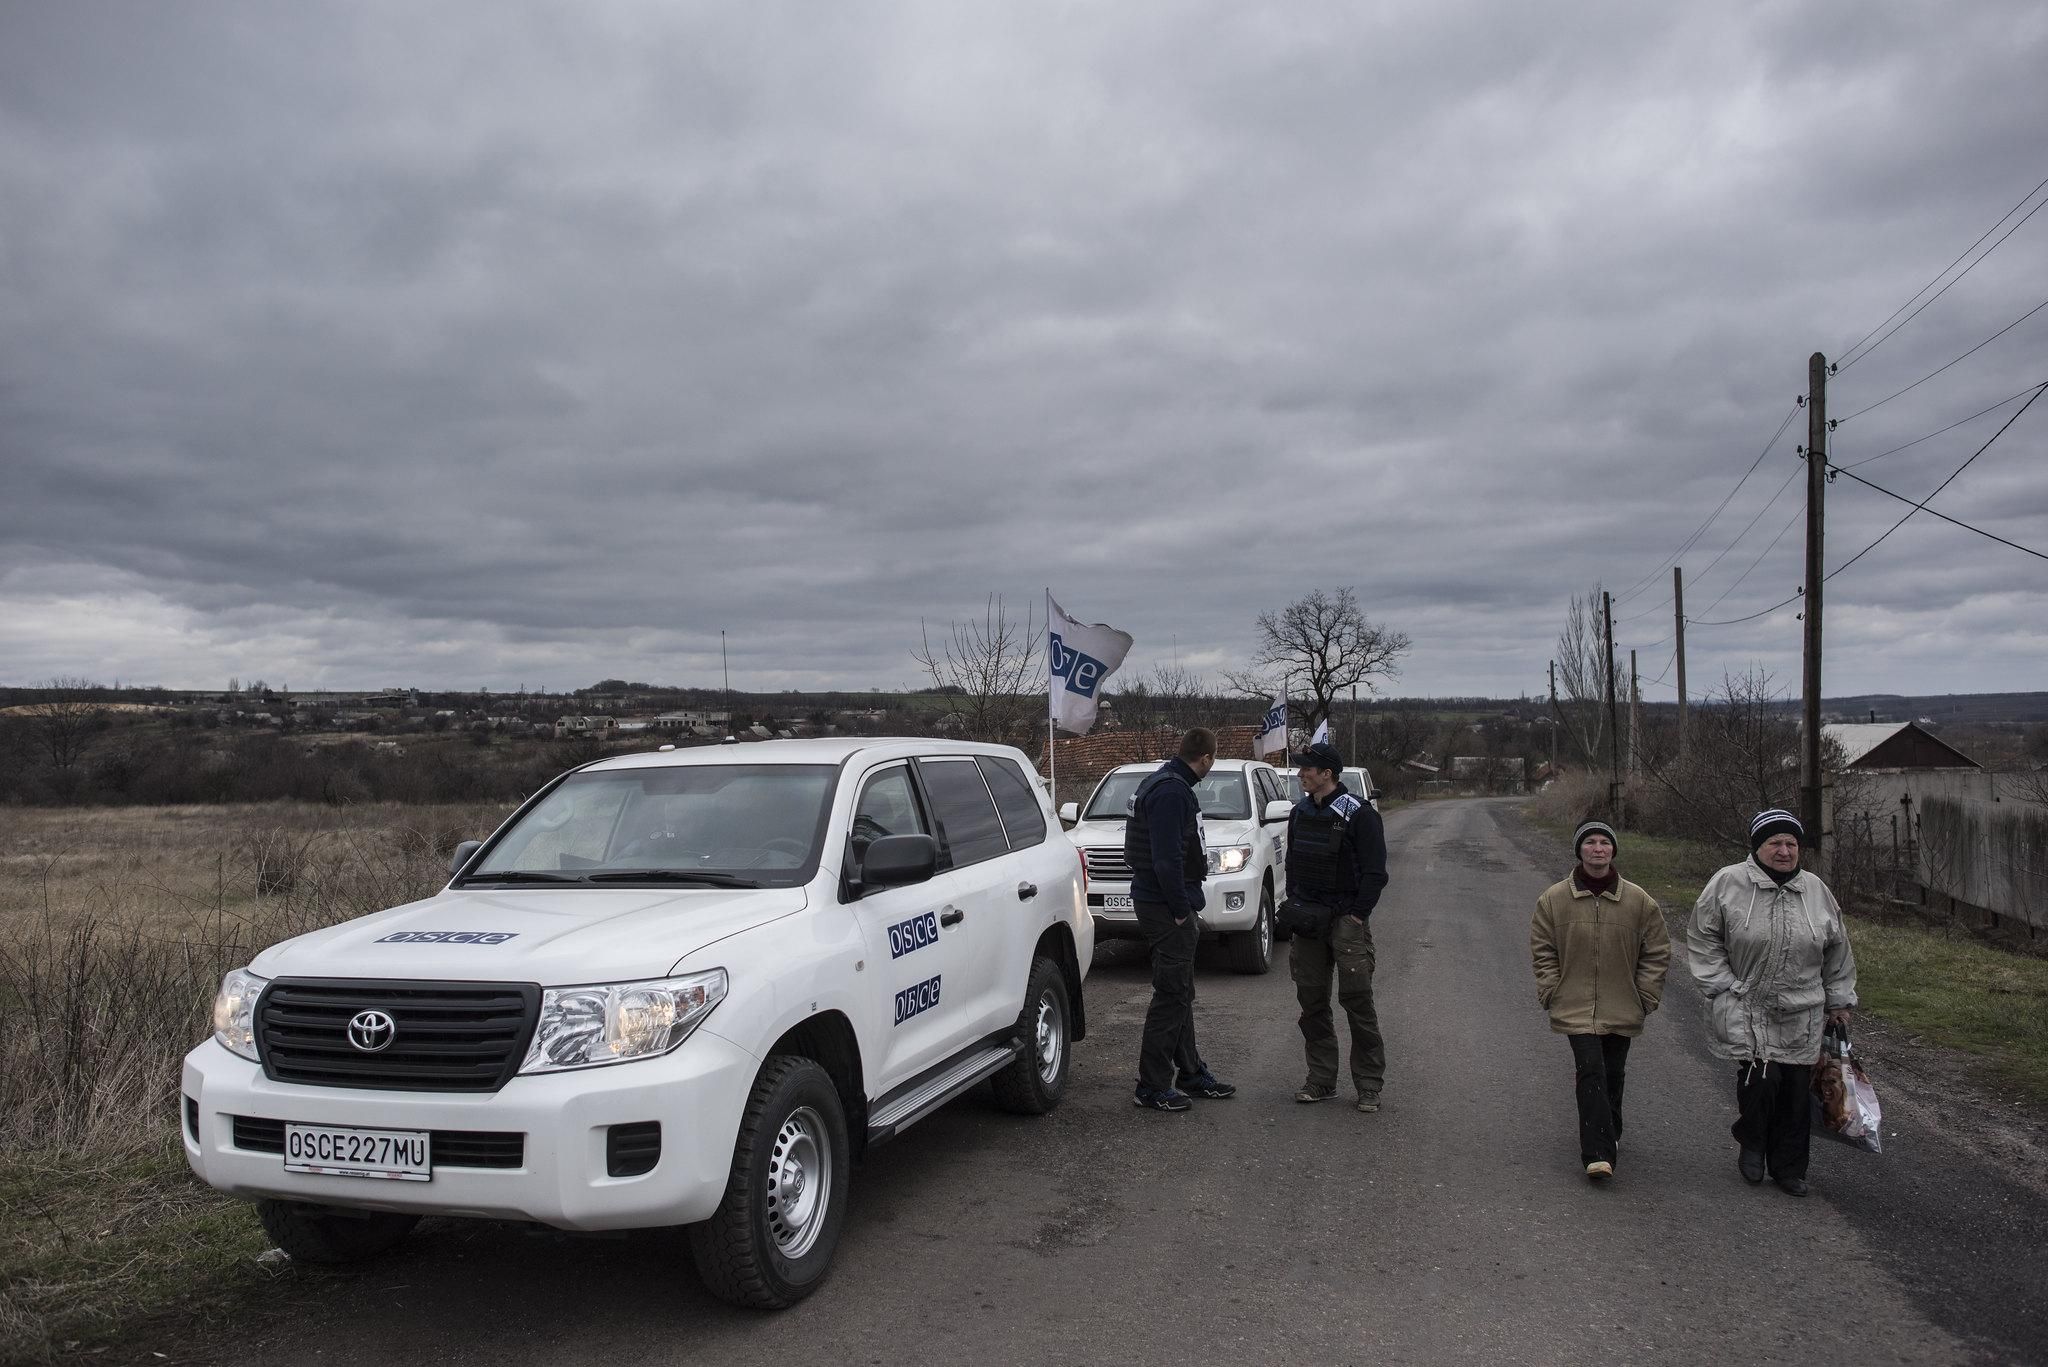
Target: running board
column 899, row 1113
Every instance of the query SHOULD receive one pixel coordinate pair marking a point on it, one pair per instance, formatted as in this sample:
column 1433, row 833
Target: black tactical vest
column 1194, row 860
column 1320, row 862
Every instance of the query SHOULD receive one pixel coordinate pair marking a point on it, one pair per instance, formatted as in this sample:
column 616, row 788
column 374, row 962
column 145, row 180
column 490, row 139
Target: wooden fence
column 1992, row 855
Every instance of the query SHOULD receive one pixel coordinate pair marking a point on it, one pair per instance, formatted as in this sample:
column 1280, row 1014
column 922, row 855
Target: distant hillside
column 1950, row 709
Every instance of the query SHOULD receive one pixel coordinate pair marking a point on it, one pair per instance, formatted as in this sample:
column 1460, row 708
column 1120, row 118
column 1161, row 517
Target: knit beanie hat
column 1776, row 821
column 1594, row 828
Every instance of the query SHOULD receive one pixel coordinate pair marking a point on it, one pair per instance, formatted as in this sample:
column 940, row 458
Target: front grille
column 447, row 1148
column 630, row 1150
column 447, row 1037
column 1107, row 864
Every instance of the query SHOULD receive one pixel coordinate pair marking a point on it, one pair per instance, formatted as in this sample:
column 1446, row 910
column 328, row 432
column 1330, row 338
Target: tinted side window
column 1267, row 791
column 888, row 806
column 1022, row 817
column 965, row 813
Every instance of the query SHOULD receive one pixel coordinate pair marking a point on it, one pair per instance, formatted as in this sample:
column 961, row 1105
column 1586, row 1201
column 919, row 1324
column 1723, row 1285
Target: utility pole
column 1635, row 718
column 1553, row 716
column 1354, row 723
column 1678, row 608
column 726, row 669
column 1613, row 722
column 1816, row 495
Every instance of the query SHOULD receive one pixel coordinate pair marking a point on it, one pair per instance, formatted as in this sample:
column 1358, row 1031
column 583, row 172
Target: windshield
column 1223, row 796
column 727, row 825
column 1353, row 779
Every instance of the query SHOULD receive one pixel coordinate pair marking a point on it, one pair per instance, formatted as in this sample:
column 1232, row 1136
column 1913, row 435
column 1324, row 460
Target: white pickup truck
column 1246, row 839
column 679, row 988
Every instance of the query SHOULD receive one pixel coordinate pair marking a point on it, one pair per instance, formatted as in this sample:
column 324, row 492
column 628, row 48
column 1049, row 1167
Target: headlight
column 1229, row 858
column 234, row 1012
column 581, row 1027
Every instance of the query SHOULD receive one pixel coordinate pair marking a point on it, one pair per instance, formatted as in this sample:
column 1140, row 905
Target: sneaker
column 1752, row 1164
column 1311, row 1092
column 1369, row 1102
column 1206, row 1086
column 1169, row 1100
column 1599, row 1171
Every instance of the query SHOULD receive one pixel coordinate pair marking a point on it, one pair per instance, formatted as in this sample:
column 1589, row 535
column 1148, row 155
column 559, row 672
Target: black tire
column 770, row 1242
column 329, row 1234
column 1251, row 951
column 1037, row 1080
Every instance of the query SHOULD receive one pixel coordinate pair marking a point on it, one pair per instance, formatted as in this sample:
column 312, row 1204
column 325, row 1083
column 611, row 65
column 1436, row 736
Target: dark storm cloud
column 539, row 344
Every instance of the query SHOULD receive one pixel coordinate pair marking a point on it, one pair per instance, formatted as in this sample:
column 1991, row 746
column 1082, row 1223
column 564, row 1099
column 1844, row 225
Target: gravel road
column 1452, row 1227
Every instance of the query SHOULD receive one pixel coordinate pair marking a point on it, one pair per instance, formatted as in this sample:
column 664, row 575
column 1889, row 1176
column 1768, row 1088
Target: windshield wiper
column 712, row 880
column 522, row 876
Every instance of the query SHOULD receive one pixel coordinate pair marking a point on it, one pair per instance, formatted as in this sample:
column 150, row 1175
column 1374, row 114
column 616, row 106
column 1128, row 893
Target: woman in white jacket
column 1769, row 949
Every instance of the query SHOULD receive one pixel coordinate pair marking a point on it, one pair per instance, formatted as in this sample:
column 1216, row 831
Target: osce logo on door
column 1082, row 672
column 917, row 999
column 914, row 934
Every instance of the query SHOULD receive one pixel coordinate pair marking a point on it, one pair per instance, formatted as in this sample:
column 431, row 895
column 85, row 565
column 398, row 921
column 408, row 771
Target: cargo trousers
column 1347, row 951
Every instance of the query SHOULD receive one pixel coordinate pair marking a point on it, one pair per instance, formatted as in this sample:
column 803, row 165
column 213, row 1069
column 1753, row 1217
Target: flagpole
column 1052, row 749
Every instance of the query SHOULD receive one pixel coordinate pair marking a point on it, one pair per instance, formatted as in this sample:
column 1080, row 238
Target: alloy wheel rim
column 1265, row 928
column 799, row 1182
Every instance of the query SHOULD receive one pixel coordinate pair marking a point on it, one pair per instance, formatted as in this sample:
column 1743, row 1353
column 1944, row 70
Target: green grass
column 1958, row 993
column 96, row 1252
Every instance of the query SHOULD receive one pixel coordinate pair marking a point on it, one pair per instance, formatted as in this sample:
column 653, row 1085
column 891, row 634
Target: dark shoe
column 1169, row 1100
column 1792, row 1186
column 1368, row 1101
column 1207, row 1087
column 1752, row 1165
column 1310, row 1092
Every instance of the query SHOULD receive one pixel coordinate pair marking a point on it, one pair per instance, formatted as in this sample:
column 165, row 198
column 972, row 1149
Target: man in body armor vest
column 1164, row 847
column 1336, row 862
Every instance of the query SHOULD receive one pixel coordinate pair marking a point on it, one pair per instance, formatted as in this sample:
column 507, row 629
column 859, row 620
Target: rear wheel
column 770, row 1241
column 1035, row 1082
column 1251, row 951
column 331, row 1234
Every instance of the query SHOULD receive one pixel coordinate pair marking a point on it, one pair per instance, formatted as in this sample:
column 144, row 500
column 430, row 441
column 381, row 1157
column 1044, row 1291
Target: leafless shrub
column 988, row 674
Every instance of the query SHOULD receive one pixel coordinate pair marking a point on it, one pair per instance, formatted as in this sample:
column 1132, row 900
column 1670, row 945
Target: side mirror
column 1276, row 810
column 462, row 855
column 1376, row 796
column 1070, row 812
column 893, row 861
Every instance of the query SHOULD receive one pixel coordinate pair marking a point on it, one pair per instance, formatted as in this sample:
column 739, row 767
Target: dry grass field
column 116, row 925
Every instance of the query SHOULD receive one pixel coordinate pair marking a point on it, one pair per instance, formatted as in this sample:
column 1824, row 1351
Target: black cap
column 1321, row 755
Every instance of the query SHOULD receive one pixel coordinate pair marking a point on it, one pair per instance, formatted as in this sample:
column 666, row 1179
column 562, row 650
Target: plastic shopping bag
column 1844, row 1103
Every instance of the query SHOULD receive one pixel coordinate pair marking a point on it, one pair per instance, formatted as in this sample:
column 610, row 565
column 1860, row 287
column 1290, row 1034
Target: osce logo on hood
column 446, row 937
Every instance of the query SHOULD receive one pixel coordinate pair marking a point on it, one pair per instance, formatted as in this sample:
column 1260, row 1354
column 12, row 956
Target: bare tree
column 989, row 674
column 1323, row 644
column 1582, row 676
column 66, row 717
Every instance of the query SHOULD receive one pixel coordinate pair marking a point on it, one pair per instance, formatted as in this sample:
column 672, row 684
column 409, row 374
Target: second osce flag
column 1081, row 658
column 1273, row 730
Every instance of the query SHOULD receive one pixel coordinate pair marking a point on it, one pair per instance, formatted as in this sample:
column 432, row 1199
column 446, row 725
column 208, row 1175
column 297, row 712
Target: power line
column 1796, row 513
column 1796, row 472
column 1754, row 615
column 1685, row 546
column 1856, row 464
column 1958, row 360
column 1852, row 356
column 1922, row 507
column 1937, row 488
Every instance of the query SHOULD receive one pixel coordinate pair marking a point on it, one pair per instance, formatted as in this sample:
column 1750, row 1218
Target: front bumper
column 1218, row 913
column 697, row 1093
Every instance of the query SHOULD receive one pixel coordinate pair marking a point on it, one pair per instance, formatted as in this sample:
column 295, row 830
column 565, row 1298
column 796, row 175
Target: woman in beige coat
column 1770, row 952
column 1600, row 950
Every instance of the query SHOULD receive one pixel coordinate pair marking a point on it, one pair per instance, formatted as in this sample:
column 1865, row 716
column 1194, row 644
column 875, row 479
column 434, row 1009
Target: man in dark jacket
column 1337, row 862
column 1163, row 844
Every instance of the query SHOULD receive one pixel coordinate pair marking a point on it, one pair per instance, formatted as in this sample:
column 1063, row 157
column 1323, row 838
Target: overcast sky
column 496, row 344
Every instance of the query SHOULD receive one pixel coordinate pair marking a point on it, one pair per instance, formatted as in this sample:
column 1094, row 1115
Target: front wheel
column 330, row 1234
column 770, row 1241
column 1251, row 951
column 1036, row 1081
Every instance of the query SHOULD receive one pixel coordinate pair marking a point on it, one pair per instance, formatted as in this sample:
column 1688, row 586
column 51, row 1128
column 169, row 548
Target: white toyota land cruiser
column 1246, row 837
column 685, row 987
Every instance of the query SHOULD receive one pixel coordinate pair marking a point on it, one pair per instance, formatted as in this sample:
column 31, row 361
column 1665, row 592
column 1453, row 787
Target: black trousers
column 1776, row 1114
column 1168, row 1044
column 1602, row 1063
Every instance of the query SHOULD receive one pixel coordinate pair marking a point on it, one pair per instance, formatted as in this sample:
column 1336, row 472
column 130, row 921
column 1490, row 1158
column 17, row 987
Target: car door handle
column 952, row 916
column 1026, row 891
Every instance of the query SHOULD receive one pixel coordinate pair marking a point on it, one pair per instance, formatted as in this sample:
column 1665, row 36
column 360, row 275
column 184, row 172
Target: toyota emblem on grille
column 370, row 1031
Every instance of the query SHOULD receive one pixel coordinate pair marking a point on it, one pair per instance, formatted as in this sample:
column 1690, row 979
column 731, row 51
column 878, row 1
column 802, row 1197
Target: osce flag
column 1273, row 730
column 1322, row 732
column 1082, row 657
